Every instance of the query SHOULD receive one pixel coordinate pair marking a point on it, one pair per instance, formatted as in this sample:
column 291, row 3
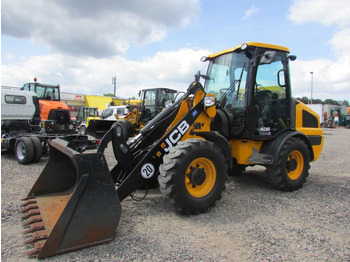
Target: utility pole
column 114, row 83
column 312, row 80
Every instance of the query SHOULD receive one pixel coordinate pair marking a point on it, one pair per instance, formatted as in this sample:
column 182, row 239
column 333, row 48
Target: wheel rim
column 82, row 130
column 294, row 171
column 21, row 150
column 200, row 177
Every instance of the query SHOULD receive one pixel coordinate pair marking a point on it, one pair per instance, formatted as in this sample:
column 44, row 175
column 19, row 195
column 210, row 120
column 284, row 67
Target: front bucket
column 72, row 205
column 98, row 128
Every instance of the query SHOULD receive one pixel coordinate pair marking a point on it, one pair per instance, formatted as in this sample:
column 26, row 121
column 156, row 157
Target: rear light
column 98, row 141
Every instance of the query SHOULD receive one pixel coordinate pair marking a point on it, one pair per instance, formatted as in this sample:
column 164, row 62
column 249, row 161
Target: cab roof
column 263, row 45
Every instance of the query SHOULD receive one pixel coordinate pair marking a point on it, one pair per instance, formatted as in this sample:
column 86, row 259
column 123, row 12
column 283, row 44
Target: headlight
column 244, row 46
column 209, row 101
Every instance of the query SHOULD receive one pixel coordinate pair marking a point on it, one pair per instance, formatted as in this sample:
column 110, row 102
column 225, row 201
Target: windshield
column 92, row 112
column 48, row 93
column 227, row 76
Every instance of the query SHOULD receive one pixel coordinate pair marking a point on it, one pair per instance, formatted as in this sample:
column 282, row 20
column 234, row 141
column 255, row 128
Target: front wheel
column 193, row 175
column 292, row 166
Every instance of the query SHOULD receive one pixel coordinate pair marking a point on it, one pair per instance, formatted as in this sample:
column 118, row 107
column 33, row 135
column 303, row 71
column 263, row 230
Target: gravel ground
column 252, row 222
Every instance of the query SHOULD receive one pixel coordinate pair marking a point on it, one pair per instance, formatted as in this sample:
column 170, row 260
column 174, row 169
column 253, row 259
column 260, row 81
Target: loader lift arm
column 141, row 159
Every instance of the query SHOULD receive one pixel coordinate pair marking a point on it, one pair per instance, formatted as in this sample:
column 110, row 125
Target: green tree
column 303, row 99
column 109, row 94
column 317, row 101
column 331, row 102
column 345, row 103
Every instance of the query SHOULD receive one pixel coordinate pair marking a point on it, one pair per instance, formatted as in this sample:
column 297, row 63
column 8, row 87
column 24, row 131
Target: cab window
column 13, row 99
column 269, row 96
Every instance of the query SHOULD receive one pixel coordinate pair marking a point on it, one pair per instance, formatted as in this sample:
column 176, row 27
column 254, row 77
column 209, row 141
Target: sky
column 82, row 44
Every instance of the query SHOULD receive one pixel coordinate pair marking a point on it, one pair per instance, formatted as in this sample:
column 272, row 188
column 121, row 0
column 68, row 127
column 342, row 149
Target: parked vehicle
column 54, row 114
column 243, row 116
column 85, row 114
column 21, row 131
column 136, row 115
column 111, row 112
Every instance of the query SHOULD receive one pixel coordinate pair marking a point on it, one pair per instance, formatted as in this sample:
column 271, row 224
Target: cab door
column 271, row 94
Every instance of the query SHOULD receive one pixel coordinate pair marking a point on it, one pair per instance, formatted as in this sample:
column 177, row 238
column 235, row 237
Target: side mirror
column 292, row 57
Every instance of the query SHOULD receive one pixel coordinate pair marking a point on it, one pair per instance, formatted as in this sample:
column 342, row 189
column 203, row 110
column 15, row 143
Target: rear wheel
column 193, row 175
column 38, row 149
column 292, row 167
column 24, row 150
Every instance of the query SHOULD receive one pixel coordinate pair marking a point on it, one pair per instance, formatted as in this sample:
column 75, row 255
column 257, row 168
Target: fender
column 274, row 147
column 220, row 141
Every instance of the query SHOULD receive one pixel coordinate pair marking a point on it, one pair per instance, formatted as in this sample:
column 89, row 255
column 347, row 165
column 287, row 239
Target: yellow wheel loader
column 153, row 101
column 243, row 116
column 84, row 116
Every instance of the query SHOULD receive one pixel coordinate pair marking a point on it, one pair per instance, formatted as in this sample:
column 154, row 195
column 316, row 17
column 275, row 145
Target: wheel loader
column 84, row 116
column 154, row 100
column 244, row 115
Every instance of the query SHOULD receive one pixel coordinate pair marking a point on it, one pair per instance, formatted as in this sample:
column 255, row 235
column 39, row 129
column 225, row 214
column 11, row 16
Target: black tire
column 24, row 150
column 292, row 166
column 82, row 130
column 38, row 149
column 152, row 182
column 193, row 175
column 126, row 127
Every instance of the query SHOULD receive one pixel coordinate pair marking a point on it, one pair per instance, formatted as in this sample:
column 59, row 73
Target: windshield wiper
column 239, row 84
column 228, row 91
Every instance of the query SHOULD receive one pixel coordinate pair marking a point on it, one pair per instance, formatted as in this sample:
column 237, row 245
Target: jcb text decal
column 176, row 135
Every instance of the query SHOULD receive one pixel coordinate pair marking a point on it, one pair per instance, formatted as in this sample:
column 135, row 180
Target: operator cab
column 85, row 112
column 44, row 91
column 252, row 86
column 154, row 101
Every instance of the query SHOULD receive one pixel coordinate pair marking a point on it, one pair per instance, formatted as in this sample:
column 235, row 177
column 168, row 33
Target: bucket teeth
column 30, row 213
column 28, row 202
column 32, row 220
column 36, row 236
column 29, row 207
column 34, row 227
column 27, row 198
column 37, row 248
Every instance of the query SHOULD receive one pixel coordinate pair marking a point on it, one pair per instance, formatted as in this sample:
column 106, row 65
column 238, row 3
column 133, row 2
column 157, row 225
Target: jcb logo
column 176, row 135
